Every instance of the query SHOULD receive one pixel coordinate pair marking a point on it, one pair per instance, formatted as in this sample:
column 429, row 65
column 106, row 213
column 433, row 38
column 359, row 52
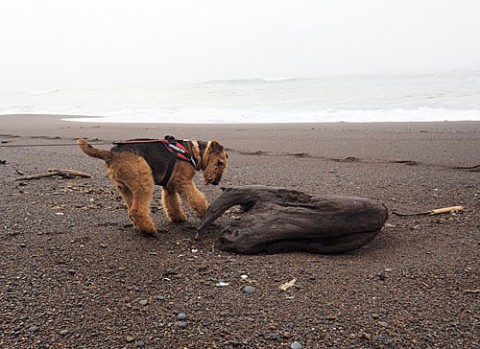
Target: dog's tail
column 105, row 155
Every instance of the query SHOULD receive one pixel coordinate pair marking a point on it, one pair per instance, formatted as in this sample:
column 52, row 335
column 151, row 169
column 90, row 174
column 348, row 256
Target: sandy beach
column 75, row 275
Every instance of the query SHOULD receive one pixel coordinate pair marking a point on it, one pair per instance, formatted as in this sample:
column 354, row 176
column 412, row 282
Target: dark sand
column 74, row 274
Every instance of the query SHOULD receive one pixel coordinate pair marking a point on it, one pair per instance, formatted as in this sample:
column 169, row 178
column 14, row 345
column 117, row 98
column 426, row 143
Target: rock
column 180, row 324
column 34, row 329
column 296, row 345
column 249, row 290
column 140, row 344
column 129, row 339
column 64, row 332
column 383, row 323
column 181, row 316
column 143, row 302
column 222, row 284
column 159, row 297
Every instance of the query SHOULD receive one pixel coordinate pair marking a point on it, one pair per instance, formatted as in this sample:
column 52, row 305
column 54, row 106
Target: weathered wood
column 281, row 220
column 55, row 172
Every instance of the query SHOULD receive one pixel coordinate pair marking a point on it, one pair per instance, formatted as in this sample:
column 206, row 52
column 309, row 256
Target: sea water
column 453, row 96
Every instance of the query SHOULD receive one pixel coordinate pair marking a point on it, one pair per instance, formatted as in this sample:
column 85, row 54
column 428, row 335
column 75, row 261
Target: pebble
column 159, row 297
column 129, row 339
column 383, row 323
column 181, row 316
column 143, row 302
column 34, row 328
column 64, row 332
column 249, row 290
column 140, row 344
column 222, row 284
column 296, row 345
column 180, row 324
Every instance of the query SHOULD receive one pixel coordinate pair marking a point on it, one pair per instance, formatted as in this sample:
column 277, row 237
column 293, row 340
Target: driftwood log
column 281, row 220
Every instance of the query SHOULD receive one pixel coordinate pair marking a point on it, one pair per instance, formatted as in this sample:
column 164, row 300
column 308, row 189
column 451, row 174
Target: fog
column 88, row 44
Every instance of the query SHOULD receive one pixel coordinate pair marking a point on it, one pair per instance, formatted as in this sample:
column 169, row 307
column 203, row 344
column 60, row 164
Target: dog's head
column 214, row 162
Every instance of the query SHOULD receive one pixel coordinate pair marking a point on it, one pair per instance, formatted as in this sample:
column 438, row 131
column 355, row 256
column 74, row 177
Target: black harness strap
column 171, row 165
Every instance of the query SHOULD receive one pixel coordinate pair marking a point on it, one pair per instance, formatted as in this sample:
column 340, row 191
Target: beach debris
column 67, row 174
column 222, row 284
column 450, row 209
column 277, row 220
column 472, row 291
column 287, row 284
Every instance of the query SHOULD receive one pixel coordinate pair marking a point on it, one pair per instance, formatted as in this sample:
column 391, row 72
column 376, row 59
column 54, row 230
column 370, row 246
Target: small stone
column 129, row 339
column 375, row 316
column 23, row 245
column 140, row 344
column 34, row 329
column 249, row 290
column 244, row 276
column 143, row 302
column 64, row 332
column 180, row 324
column 383, row 323
column 159, row 297
column 181, row 316
column 222, row 284
column 296, row 345
column 103, row 245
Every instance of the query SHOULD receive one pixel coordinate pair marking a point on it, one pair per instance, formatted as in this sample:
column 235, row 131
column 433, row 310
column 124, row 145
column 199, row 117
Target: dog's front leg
column 172, row 206
column 195, row 199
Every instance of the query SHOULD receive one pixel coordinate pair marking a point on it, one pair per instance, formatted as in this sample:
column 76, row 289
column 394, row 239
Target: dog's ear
column 216, row 147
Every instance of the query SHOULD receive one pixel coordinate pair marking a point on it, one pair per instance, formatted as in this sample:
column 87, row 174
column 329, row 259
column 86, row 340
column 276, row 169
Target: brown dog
column 135, row 166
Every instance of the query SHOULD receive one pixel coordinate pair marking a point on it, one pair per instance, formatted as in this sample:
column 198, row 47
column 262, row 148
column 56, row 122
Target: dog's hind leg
column 195, row 199
column 134, row 179
column 127, row 195
column 172, row 206
column 139, row 212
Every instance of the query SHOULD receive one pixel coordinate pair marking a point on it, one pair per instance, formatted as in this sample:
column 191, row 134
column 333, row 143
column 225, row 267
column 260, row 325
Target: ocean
column 451, row 96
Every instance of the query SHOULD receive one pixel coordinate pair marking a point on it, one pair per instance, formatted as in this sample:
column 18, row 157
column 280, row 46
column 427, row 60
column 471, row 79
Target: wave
column 214, row 116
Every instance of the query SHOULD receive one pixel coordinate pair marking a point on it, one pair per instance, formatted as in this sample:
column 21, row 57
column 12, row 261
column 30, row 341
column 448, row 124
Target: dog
column 135, row 166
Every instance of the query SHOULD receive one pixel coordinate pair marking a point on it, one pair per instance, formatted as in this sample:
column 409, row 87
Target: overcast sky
column 98, row 43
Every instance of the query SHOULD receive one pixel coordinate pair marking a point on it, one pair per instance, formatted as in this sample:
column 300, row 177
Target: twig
column 431, row 212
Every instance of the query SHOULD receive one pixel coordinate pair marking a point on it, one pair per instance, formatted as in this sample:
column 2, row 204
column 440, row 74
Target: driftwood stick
column 70, row 173
column 55, row 172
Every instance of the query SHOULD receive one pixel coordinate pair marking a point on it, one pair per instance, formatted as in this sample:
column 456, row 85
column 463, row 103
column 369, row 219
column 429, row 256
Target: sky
column 90, row 44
